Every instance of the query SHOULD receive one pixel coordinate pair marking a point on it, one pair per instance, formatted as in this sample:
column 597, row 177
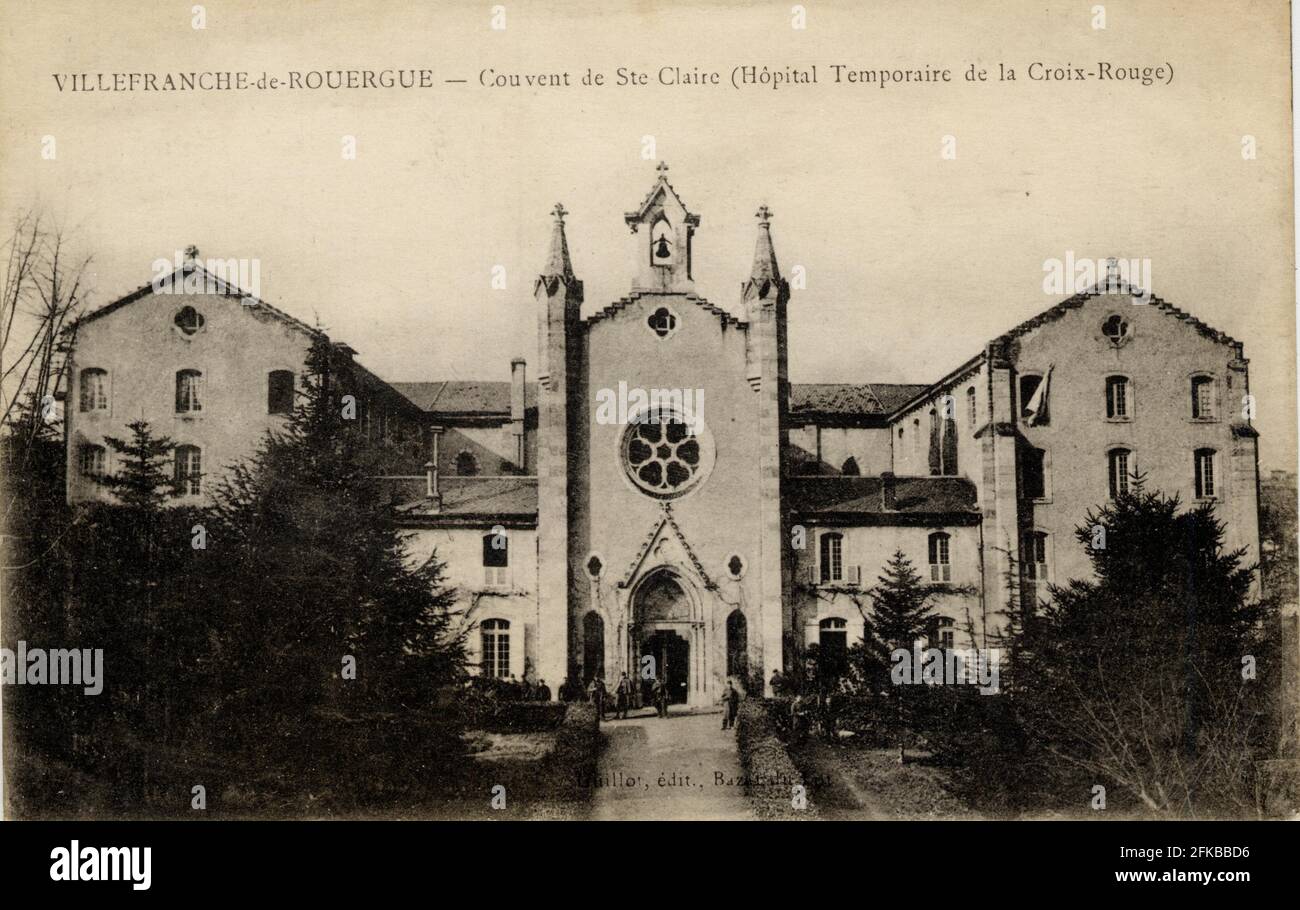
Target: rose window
column 664, row 457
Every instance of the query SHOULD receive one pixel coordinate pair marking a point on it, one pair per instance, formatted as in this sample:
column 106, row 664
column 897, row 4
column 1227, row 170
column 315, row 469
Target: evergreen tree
column 1134, row 678
column 143, row 483
column 901, row 613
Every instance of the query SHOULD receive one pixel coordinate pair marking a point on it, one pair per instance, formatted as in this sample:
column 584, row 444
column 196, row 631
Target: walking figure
column 660, row 689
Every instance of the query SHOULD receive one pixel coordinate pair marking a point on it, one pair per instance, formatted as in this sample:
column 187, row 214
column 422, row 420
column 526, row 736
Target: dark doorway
column 593, row 647
column 671, row 655
column 737, row 650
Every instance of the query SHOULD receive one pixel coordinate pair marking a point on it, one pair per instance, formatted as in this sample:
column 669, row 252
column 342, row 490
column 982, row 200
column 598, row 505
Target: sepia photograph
column 879, row 412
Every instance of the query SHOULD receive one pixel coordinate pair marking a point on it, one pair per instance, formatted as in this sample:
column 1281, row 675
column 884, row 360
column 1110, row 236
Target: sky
column 913, row 260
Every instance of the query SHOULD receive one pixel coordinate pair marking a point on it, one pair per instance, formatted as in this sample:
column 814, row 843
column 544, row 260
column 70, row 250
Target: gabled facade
column 661, row 499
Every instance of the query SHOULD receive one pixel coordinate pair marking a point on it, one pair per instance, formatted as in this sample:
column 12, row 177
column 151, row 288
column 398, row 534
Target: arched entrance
column 738, row 647
column 593, row 647
column 666, row 638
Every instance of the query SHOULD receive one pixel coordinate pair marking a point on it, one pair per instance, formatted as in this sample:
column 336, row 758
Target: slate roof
column 850, row 399
column 938, row 500
column 466, row 500
column 459, row 396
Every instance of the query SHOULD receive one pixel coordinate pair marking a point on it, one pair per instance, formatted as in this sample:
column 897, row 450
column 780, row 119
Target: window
column 850, row 467
column 662, row 322
column 941, row 632
column 833, row 642
column 940, row 568
column 495, row 637
column 1033, row 555
column 189, row 470
column 94, row 390
column 496, row 559
column 1033, row 473
column 737, row 646
column 972, row 414
column 735, row 566
column 189, row 392
column 1120, row 461
column 466, row 464
column 1205, row 478
column 665, row 456
column 1116, row 329
column 594, row 566
column 188, row 320
column 94, row 461
column 1028, row 386
column 832, row 558
column 1202, row 398
column 279, row 392
column 1117, row 398
column 916, row 438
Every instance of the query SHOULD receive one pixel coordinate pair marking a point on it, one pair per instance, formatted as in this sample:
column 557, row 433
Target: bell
column 661, row 248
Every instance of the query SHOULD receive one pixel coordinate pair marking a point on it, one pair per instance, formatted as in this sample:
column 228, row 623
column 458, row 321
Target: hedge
column 571, row 764
column 770, row 775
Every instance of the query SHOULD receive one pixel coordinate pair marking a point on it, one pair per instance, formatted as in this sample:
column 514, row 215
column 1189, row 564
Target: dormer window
column 188, row 320
column 662, row 322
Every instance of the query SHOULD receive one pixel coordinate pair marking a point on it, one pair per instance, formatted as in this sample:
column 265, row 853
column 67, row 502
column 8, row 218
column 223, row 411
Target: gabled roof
column 837, row 399
column 661, row 185
column 624, row 302
column 861, row 500
column 464, row 396
column 217, row 282
column 466, row 500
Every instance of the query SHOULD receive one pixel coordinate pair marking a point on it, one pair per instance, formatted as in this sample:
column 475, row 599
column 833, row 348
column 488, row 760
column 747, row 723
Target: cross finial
column 662, row 168
column 191, row 252
column 764, row 214
column 559, row 212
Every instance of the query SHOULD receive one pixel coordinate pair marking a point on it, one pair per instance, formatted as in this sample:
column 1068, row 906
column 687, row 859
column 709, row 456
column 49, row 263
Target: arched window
column 972, row 413
column 833, row 642
column 1206, row 482
column 850, row 467
column 94, row 461
column 466, row 464
column 1202, row 398
column 737, row 646
column 1033, row 555
column 279, row 392
column 189, row 391
column 1118, row 403
column 832, row 557
column 593, row 646
column 494, row 635
column 188, row 472
column 940, row 567
column 496, row 558
column 94, row 389
column 1120, row 465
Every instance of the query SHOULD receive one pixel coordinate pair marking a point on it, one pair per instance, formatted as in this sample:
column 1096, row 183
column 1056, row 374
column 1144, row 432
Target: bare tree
column 44, row 293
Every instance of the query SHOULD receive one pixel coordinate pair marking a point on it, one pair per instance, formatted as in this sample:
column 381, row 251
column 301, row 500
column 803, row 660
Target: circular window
column 188, row 320
column 665, row 456
column 1115, row 328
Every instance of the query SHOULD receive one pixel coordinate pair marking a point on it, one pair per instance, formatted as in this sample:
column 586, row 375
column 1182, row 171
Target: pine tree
column 143, row 482
column 900, row 615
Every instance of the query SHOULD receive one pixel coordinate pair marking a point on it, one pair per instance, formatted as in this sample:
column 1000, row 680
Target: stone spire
column 765, row 267
column 558, row 264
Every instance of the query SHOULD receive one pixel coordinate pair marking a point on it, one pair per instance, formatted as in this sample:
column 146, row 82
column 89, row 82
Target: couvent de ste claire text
column 668, row 76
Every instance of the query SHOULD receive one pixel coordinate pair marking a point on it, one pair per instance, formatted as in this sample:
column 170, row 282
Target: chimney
column 518, row 369
column 431, row 489
column 888, row 492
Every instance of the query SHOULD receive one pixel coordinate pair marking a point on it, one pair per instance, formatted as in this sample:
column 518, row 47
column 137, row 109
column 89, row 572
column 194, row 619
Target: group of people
column 623, row 696
column 511, row 689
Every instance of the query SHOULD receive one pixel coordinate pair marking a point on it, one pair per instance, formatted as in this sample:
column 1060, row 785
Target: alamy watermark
column 946, row 666
column 55, row 667
column 213, row 276
column 637, row 405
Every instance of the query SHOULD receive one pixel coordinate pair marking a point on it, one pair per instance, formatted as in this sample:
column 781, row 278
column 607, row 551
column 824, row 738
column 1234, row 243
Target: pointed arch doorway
column 667, row 636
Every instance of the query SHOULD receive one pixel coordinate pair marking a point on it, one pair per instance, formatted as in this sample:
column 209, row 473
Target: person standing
column 622, row 697
column 657, row 695
column 543, row 692
column 730, row 706
column 596, row 691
